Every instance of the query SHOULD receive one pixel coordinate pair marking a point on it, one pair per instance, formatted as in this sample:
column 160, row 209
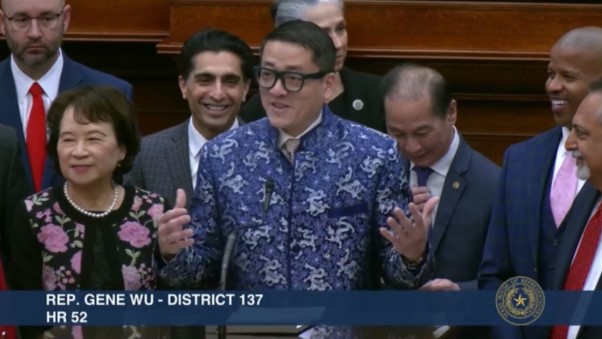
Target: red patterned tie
column 36, row 136
column 581, row 264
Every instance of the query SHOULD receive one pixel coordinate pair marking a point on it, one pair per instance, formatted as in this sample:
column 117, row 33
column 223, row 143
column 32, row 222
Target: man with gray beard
column 579, row 261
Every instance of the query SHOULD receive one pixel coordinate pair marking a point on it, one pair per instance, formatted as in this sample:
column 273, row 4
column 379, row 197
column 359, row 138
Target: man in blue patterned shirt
column 311, row 201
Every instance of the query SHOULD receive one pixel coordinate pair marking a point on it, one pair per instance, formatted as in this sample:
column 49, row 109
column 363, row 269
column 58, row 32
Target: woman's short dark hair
column 93, row 104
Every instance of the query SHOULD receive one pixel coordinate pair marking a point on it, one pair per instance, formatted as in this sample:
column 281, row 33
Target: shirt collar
column 442, row 165
column 49, row 81
column 565, row 135
column 283, row 136
column 196, row 140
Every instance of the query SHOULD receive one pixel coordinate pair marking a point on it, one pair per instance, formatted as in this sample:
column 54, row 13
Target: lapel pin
column 456, row 185
column 358, row 104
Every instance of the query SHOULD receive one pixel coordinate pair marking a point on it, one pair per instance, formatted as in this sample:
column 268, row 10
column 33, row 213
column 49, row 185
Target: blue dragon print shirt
column 320, row 228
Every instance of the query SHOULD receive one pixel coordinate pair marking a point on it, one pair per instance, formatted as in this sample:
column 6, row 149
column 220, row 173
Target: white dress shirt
column 196, row 141
column 440, row 168
column 49, row 83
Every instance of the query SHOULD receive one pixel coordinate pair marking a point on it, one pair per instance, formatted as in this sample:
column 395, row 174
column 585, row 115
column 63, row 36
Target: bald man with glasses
column 34, row 73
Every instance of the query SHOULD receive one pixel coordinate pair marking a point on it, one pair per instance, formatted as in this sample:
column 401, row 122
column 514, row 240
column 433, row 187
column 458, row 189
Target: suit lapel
column 574, row 225
column 453, row 188
column 542, row 157
column 71, row 77
column 8, row 96
column 178, row 161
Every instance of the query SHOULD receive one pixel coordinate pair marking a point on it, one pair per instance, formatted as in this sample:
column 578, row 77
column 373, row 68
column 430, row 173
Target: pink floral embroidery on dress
column 45, row 214
column 49, row 278
column 155, row 211
column 135, row 234
column 63, row 241
column 28, row 205
column 137, row 203
column 76, row 262
column 57, row 208
column 54, row 238
column 131, row 278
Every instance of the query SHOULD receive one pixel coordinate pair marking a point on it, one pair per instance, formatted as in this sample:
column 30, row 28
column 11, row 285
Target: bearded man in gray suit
column 217, row 70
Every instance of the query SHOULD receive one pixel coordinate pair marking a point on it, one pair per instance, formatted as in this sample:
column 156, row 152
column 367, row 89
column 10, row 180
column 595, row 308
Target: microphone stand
column 229, row 248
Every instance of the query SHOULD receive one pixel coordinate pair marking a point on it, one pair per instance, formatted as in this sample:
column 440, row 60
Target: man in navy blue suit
column 34, row 32
column 525, row 230
column 421, row 114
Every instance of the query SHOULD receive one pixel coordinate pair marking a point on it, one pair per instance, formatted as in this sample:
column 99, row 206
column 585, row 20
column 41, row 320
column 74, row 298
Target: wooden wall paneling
column 491, row 123
column 249, row 19
column 462, row 30
column 119, row 20
column 470, row 76
column 394, row 28
column 157, row 97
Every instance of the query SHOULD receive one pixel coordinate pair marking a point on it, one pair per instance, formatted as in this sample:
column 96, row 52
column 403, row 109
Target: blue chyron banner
column 399, row 308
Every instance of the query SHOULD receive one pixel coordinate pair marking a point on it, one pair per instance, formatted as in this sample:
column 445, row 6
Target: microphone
column 269, row 189
column 226, row 260
column 230, row 242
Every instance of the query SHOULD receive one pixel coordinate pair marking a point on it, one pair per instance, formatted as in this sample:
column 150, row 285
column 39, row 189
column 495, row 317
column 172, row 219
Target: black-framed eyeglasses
column 47, row 20
column 291, row 81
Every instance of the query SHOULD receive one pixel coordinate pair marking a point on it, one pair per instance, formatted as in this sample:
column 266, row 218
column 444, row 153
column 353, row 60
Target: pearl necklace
column 93, row 214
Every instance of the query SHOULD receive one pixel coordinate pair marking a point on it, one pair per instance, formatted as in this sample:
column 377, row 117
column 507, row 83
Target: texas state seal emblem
column 520, row 301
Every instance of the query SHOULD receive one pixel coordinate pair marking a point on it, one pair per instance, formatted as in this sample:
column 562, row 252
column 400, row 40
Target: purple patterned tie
column 422, row 175
column 563, row 189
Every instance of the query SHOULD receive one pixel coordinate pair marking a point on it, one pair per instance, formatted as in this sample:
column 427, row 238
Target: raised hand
column 409, row 238
column 172, row 237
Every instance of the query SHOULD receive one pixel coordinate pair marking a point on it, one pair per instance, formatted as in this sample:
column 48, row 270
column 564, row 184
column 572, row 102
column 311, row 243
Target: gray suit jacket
column 163, row 166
